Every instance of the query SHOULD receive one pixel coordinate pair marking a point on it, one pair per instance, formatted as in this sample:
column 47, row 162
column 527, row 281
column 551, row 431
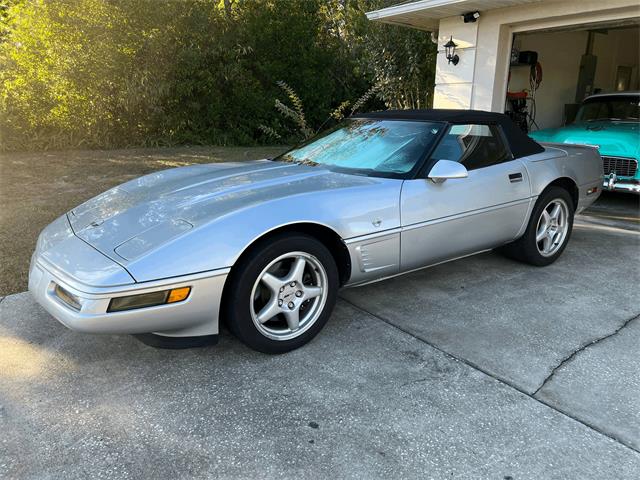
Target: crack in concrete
column 579, row 350
column 501, row 380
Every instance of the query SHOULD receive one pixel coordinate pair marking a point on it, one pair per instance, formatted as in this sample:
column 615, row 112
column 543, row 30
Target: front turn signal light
column 152, row 299
column 178, row 294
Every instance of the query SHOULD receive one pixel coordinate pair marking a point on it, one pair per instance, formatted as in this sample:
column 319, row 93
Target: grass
column 36, row 188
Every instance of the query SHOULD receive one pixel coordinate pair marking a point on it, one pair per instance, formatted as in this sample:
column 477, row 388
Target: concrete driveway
column 481, row 368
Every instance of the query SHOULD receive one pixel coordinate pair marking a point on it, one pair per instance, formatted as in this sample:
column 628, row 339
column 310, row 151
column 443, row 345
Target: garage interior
column 552, row 71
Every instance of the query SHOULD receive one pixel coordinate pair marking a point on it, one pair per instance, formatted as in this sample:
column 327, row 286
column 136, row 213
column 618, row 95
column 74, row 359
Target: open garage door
column 553, row 71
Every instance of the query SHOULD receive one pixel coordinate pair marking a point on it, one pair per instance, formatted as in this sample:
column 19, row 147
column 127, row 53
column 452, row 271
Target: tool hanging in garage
column 535, row 79
column 521, row 106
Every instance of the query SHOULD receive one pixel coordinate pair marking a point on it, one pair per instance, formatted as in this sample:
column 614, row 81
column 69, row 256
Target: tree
column 99, row 73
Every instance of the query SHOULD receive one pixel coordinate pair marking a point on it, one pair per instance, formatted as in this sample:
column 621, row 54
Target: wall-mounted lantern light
column 450, row 51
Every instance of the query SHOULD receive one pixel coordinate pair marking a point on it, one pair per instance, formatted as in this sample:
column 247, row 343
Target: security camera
column 471, row 17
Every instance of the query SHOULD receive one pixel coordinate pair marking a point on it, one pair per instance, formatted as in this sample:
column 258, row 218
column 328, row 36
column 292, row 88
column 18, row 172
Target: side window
column 474, row 146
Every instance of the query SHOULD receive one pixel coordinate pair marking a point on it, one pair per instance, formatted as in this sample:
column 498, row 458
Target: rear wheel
column 282, row 293
column 548, row 231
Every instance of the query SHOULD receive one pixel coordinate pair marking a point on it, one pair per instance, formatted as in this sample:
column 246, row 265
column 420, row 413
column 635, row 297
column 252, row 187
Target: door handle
column 515, row 177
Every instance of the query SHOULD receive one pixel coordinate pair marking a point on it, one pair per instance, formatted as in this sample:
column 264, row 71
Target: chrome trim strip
column 369, row 282
column 619, row 158
column 465, row 214
column 370, row 236
column 434, row 221
column 622, row 187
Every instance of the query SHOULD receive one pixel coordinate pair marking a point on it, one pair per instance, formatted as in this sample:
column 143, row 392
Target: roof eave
column 407, row 8
column 390, row 15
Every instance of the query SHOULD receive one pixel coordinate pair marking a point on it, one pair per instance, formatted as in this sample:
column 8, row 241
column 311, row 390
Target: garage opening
column 552, row 71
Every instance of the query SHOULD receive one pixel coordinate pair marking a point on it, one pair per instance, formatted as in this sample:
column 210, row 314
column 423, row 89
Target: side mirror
column 446, row 169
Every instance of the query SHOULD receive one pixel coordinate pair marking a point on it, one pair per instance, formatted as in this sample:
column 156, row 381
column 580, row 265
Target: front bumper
column 615, row 184
column 195, row 316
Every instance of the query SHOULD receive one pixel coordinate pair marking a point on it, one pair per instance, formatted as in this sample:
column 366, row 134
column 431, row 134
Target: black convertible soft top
column 521, row 145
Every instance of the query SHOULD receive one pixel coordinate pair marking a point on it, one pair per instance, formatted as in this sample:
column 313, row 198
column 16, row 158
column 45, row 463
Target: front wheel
column 548, row 231
column 282, row 293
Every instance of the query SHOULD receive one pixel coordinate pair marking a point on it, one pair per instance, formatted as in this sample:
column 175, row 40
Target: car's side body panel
column 374, row 256
column 581, row 164
column 437, row 218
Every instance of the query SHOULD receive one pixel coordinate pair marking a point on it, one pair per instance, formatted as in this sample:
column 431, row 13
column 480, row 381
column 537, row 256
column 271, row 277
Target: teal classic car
column 610, row 122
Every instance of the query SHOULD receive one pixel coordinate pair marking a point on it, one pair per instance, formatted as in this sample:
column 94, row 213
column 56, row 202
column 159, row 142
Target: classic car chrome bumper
column 612, row 183
column 84, row 308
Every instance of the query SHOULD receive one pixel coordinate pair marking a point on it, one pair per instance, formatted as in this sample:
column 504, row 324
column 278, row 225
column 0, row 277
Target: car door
column 457, row 217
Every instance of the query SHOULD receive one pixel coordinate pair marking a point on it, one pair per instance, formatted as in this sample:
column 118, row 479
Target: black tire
column 237, row 307
column 525, row 249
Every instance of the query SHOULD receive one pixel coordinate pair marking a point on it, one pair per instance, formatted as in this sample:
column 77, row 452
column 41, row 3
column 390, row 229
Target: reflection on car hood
column 141, row 214
column 615, row 138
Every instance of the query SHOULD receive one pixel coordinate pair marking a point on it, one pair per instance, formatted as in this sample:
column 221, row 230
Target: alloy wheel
column 289, row 295
column 552, row 228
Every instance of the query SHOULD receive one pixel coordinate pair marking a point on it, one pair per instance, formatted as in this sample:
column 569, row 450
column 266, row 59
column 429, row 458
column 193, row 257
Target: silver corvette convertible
column 265, row 245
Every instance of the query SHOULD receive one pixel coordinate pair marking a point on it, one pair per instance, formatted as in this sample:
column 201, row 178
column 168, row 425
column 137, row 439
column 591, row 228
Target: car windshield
column 369, row 146
column 615, row 107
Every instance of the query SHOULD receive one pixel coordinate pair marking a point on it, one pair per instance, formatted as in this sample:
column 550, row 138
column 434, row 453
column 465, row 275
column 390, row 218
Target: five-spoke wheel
column 289, row 295
column 552, row 227
column 548, row 230
column 281, row 293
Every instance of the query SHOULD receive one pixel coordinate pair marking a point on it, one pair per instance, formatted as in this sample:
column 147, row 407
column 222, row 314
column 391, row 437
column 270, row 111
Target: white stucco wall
column 479, row 80
column 454, row 84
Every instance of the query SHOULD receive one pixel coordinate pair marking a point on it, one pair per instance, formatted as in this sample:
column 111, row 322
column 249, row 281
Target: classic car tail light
column 152, row 299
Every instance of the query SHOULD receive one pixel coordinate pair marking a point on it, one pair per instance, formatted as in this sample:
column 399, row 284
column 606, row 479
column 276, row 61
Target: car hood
column 134, row 218
column 615, row 138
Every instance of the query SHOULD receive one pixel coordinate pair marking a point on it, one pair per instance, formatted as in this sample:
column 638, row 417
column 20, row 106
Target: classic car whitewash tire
column 548, row 231
column 281, row 293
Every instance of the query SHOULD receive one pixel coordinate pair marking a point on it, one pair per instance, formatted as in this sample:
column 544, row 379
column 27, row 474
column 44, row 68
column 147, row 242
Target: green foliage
column 296, row 113
column 102, row 74
column 401, row 60
column 303, row 131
